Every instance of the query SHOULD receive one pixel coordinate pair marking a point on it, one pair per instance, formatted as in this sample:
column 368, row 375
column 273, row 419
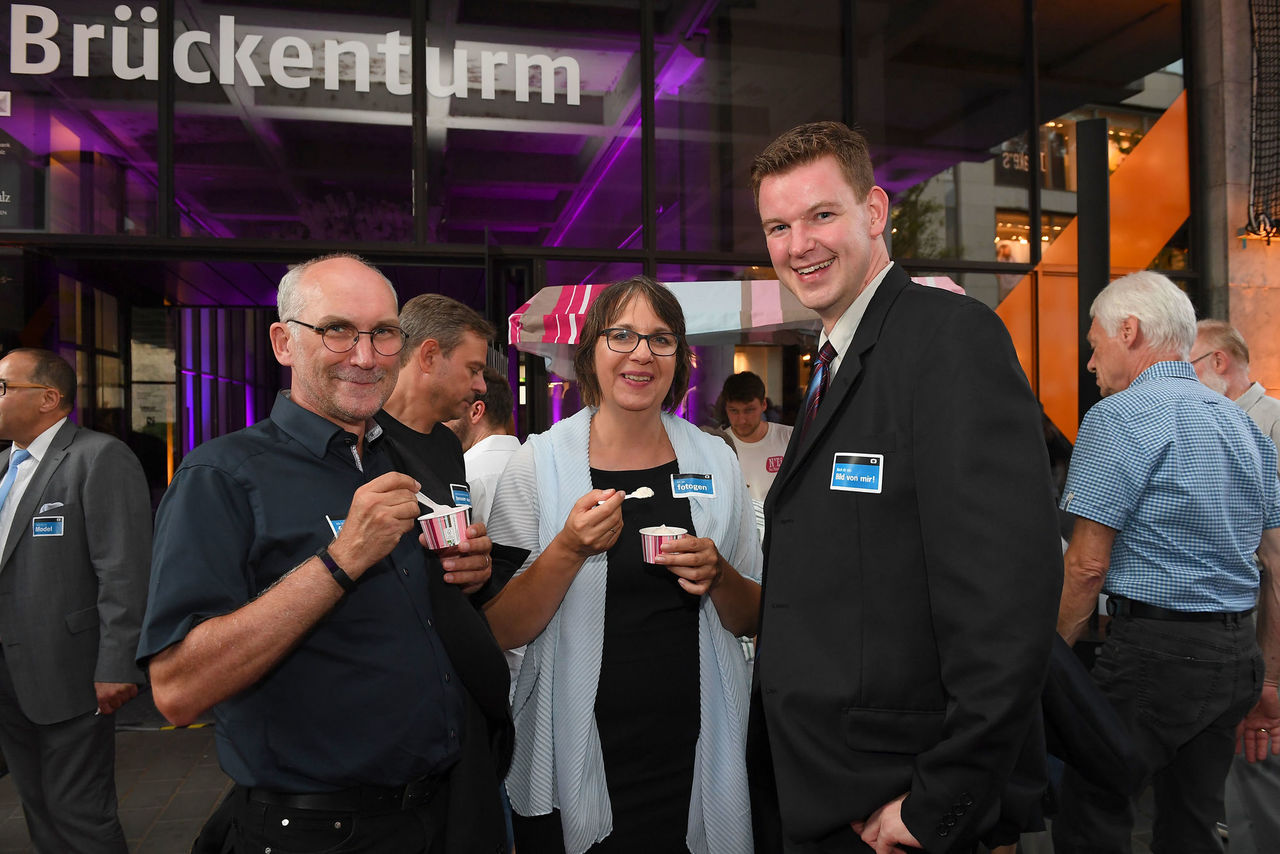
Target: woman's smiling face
column 638, row 380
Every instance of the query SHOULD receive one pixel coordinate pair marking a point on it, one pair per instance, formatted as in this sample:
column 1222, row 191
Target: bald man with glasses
column 292, row 595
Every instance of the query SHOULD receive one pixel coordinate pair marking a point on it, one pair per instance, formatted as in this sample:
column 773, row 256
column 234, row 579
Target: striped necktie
column 818, row 384
column 15, row 460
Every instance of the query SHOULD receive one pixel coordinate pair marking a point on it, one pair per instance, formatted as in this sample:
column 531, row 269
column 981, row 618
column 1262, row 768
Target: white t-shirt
column 485, row 461
column 761, row 460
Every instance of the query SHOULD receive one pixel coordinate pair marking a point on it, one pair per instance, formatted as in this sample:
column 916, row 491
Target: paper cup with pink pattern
column 651, row 540
column 445, row 528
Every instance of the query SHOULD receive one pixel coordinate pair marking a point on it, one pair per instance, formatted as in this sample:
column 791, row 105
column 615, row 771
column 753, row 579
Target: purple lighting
column 618, row 148
column 557, row 400
column 679, row 67
column 189, row 386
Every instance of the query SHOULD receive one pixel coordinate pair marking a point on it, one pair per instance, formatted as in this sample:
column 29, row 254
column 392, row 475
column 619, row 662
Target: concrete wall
column 1242, row 277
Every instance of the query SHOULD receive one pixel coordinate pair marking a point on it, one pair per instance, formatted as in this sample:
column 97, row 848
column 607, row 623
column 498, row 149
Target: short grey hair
column 1164, row 312
column 1221, row 335
column 291, row 299
column 443, row 319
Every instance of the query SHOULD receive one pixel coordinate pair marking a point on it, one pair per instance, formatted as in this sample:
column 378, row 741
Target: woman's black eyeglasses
column 621, row 340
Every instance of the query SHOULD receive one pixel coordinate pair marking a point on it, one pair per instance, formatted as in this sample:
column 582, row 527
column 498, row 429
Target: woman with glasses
column 631, row 702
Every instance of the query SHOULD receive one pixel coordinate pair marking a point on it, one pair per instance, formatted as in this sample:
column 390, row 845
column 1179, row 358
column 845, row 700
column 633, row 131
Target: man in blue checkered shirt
column 1174, row 489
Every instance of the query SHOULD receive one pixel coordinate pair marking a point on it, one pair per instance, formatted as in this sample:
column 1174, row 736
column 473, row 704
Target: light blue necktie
column 15, row 460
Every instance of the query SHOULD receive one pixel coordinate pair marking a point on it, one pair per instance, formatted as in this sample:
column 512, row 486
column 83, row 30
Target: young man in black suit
column 912, row 561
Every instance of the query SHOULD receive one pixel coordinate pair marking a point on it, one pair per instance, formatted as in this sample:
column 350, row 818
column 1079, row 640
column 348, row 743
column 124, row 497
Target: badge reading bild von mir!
column 855, row 472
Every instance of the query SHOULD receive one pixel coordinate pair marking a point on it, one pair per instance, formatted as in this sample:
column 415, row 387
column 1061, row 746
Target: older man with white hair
column 1174, row 489
column 1221, row 359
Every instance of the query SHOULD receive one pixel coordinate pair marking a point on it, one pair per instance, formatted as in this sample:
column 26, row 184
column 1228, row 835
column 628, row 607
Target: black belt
column 1119, row 606
column 357, row 799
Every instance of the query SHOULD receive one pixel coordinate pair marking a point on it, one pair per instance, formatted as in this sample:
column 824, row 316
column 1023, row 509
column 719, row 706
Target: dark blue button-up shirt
column 369, row 696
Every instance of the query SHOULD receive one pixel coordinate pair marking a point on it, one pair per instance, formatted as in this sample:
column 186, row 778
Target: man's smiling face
column 825, row 242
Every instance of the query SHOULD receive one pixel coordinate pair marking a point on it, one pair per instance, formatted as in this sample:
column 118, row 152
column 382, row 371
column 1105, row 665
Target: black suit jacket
column 475, row 822
column 904, row 635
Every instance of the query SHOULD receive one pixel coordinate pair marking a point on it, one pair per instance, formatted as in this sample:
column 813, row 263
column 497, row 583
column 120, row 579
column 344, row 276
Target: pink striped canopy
column 726, row 312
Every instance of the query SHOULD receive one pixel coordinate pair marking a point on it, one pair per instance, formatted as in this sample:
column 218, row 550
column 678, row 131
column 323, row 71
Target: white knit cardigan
column 558, row 762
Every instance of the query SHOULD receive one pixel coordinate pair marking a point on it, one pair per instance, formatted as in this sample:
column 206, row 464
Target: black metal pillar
column 1094, row 218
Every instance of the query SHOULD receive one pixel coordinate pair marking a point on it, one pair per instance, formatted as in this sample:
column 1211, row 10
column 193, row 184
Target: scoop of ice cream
column 663, row 530
column 642, row 492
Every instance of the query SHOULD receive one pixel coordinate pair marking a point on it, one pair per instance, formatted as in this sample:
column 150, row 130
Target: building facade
column 162, row 162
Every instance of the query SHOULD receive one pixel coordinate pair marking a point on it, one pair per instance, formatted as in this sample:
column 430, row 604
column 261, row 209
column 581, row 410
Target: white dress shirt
column 38, row 449
column 485, row 461
column 842, row 333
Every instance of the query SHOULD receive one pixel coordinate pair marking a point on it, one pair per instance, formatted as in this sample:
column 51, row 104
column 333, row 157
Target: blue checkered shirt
column 1189, row 483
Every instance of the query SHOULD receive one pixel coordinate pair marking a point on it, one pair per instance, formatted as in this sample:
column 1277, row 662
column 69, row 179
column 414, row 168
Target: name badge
column 46, row 526
column 858, row 472
column 693, row 486
column 335, row 525
column 461, row 494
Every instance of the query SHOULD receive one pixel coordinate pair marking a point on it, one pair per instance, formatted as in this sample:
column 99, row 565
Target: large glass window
column 937, row 90
column 728, row 77
column 78, row 100
column 293, row 126
column 547, row 152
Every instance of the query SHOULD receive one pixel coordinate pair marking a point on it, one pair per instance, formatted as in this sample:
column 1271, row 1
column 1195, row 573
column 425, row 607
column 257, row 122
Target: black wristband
column 346, row 582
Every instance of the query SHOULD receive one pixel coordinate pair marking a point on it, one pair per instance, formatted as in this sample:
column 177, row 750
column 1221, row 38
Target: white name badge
column 335, row 525
column 852, row 472
column 693, row 486
column 46, row 526
column 461, row 494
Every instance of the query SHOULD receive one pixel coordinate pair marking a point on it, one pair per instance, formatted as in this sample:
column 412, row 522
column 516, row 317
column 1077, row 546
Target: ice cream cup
column 445, row 528
column 651, row 540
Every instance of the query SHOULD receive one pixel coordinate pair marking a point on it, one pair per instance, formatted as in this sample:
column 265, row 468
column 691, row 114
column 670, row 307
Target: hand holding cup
column 695, row 561
column 382, row 510
column 469, row 563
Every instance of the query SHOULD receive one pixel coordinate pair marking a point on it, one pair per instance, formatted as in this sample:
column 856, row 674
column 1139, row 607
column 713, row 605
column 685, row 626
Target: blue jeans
column 1181, row 687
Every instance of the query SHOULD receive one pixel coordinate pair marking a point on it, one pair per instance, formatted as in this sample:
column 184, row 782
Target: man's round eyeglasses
column 1205, row 356
column 5, row 385
column 621, row 340
column 343, row 337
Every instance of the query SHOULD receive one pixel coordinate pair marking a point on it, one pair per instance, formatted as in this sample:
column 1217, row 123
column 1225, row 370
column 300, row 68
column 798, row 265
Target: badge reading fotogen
column 857, row 472
column 693, row 486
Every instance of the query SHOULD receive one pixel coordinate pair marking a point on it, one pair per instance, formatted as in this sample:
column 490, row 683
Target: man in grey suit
column 75, row 551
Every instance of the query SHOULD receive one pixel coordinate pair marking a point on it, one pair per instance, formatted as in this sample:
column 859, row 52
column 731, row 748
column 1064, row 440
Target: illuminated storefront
column 161, row 162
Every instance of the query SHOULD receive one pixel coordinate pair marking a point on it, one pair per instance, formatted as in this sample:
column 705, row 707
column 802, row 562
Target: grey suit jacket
column 72, row 598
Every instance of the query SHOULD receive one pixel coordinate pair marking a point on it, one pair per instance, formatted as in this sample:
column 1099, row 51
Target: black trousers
column 244, row 826
column 65, row 776
column 1181, row 687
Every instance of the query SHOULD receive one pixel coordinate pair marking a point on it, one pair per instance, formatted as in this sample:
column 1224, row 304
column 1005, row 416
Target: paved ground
column 168, row 782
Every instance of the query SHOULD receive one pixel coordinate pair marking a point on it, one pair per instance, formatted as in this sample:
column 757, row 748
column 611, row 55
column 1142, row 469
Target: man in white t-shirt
column 759, row 443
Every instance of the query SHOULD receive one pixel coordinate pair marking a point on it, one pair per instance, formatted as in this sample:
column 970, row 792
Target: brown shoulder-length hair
column 604, row 312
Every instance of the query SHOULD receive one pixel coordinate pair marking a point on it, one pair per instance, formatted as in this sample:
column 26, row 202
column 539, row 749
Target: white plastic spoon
column 642, row 492
column 435, row 508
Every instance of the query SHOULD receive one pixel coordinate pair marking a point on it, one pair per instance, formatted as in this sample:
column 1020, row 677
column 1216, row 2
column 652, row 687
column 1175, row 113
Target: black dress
column 647, row 701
